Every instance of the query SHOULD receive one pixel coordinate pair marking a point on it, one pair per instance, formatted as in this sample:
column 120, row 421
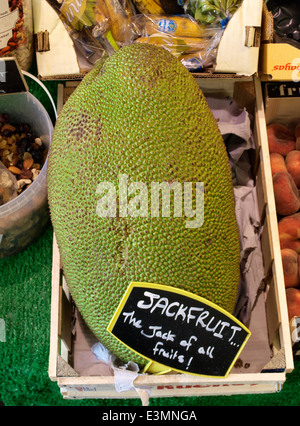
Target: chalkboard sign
column 178, row 330
column 11, row 78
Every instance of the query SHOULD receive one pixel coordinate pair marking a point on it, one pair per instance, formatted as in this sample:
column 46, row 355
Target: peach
column 280, row 139
column 286, row 194
column 290, row 267
column 292, row 161
column 277, row 163
column 293, row 302
column 289, row 232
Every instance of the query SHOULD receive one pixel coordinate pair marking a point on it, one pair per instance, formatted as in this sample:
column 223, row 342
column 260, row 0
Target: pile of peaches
column 284, row 147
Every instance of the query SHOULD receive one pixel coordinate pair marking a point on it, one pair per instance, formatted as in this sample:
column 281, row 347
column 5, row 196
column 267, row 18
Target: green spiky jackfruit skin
column 142, row 114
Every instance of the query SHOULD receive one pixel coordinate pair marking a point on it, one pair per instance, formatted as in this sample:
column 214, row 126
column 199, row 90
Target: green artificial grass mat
column 25, row 305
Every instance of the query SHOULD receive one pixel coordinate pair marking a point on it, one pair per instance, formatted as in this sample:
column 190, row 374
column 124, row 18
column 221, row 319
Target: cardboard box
column 282, row 103
column 267, row 357
column 56, row 55
column 58, row 58
column 278, row 61
column 238, row 51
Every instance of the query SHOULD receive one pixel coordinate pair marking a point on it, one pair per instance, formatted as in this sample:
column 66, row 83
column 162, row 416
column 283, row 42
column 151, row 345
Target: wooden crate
column 270, row 379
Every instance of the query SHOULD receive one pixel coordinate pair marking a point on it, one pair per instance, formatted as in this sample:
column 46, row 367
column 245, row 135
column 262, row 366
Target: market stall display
column 247, row 351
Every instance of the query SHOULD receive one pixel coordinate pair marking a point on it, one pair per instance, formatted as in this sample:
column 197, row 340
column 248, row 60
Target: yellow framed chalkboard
column 176, row 330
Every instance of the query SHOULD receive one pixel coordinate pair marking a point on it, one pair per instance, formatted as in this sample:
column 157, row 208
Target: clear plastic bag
column 195, row 45
column 144, row 25
column 16, row 24
column 199, row 61
column 96, row 26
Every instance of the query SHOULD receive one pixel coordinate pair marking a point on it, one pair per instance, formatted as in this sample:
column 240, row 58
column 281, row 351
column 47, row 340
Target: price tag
column 11, row 77
column 177, row 330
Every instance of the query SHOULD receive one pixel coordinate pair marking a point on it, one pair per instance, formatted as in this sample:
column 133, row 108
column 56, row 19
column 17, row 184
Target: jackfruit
column 140, row 115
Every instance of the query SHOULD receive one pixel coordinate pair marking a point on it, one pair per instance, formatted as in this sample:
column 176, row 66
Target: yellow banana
column 149, row 6
column 128, row 8
column 176, row 25
column 103, row 26
column 158, row 2
column 101, row 14
column 163, row 41
column 118, row 19
column 176, row 45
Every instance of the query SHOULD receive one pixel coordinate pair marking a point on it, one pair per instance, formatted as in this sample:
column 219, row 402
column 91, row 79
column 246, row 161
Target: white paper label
column 4, row 7
column 8, row 21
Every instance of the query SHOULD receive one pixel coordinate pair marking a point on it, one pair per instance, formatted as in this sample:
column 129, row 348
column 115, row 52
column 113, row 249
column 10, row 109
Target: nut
column 28, row 163
column 35, row 174
column 21, row 151
column 15, row 170
column 22, row 182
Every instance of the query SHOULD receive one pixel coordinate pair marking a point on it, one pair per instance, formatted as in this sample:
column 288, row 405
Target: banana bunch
column 108, row 15
column 212, row 11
